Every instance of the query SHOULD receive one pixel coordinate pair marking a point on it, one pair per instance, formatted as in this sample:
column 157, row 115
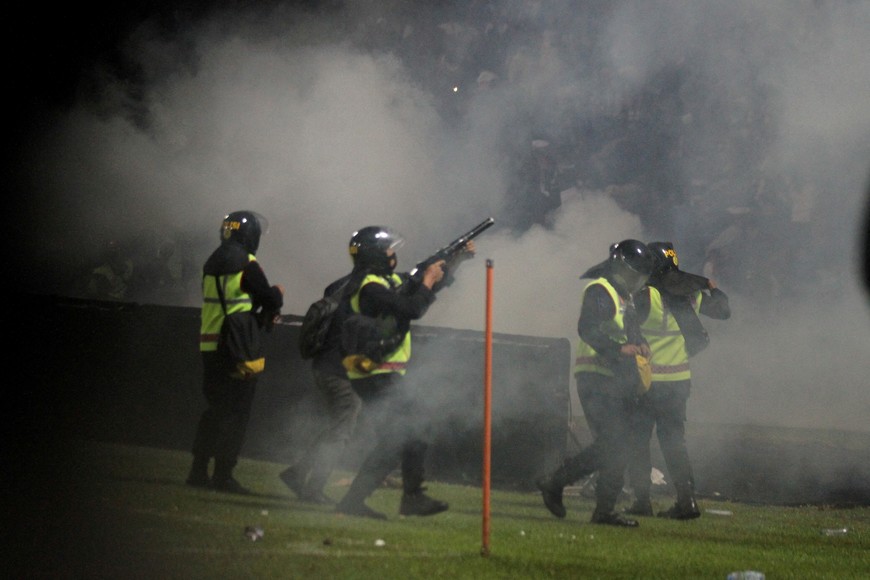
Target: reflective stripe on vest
column 587, row 359
column 212, row 314
column 397, row 360
column 670, row 361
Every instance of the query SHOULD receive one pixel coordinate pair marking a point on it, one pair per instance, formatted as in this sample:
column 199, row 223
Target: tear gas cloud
column 329, row 120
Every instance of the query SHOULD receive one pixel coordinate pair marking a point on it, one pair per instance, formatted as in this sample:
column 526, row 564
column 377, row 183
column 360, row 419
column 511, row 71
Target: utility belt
column 362, row 364
column 635, row 371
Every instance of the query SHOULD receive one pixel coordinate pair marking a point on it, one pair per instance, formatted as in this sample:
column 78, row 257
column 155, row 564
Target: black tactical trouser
column 394, row 414
column 608, row 407
column 343, row 408
column 222, row 426
column 663, row 407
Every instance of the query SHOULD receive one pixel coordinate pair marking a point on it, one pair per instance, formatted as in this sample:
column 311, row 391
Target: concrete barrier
column 131, row 373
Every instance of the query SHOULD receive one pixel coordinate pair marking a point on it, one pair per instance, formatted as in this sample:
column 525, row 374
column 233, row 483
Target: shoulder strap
column 351, row 282
column 342, row 288
column 220, row 291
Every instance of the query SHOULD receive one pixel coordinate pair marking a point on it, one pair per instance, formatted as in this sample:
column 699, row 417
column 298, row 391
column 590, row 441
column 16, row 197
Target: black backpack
column 318, row 319
column 373, row 338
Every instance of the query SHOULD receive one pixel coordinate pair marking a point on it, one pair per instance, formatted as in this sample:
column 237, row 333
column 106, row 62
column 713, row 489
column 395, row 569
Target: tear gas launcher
column 450, row 252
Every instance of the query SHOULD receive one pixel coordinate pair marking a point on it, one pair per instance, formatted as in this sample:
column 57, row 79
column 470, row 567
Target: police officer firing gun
column 400, row 424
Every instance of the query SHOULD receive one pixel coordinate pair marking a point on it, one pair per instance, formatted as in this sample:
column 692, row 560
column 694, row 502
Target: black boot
column 358, row 508
column 310, row 491
column 553, row 486
column 353, row 502
column 198, row 476
column 686, row 508
column 613, row 519
column 223, row 479
column 417, row 503
column 551, row 492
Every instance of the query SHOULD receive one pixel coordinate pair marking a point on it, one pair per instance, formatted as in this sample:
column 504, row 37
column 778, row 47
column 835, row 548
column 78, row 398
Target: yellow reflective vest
column 588, row 360
column 212, row 315
column 670, row 361
column 396, row 361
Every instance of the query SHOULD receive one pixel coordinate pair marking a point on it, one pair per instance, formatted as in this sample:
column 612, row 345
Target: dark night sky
column 55, row 49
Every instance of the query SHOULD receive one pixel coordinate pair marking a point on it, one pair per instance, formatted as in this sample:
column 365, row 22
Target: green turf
column 128, row 514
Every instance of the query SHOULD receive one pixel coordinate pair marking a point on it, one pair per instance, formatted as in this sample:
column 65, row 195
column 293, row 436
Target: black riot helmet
column 667, row 275
column 244, row 227
column 665, row 256
column 631, row 263
column 368, row 248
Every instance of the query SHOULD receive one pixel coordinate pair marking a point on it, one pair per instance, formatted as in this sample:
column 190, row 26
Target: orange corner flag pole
column 487, row 408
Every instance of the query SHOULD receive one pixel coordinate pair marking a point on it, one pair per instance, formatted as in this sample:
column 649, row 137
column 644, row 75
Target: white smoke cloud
column 325, row 137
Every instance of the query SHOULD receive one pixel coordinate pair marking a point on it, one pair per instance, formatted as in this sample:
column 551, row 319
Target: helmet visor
column 264, row 223
column 630, row 279
column 389, row 239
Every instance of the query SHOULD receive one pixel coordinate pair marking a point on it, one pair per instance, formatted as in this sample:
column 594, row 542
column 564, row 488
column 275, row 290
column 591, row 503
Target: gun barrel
column 482, row 226
column 474, row 232
column 453, row 247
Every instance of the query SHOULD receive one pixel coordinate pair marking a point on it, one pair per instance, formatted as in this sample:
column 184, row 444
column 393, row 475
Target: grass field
column 126, row 513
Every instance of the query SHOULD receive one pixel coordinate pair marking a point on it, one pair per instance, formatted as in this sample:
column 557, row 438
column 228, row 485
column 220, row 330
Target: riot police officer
column 395, row 299
column 606, row 371
column 243, row 286
column 669, row 308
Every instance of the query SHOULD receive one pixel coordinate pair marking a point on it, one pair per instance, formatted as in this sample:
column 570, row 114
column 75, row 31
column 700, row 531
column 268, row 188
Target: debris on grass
column 254, row 533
